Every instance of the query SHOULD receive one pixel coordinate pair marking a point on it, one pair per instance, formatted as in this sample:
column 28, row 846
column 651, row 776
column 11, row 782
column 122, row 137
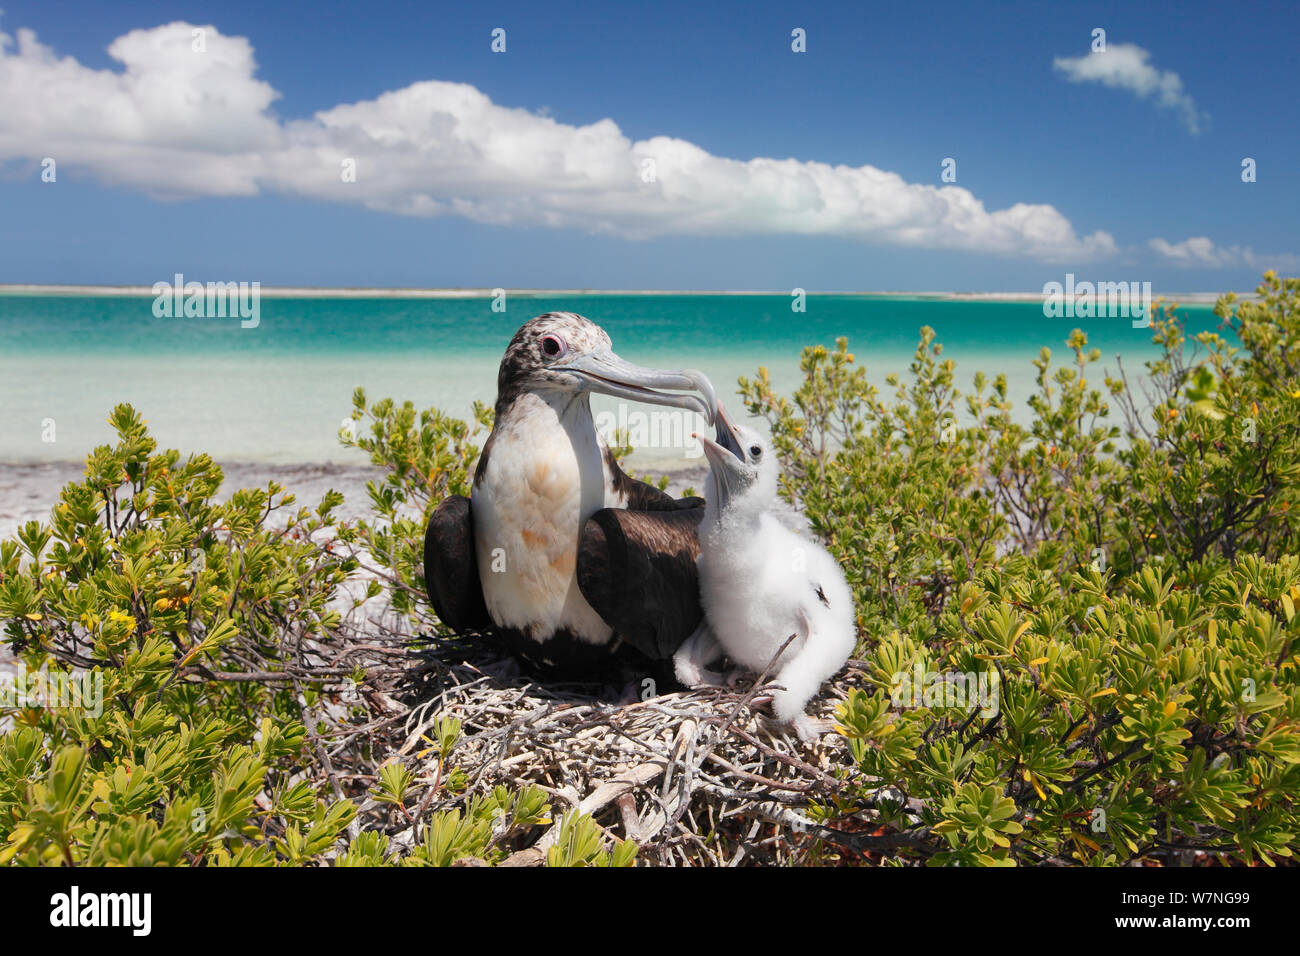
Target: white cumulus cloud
column 176, row 122
column 1201, row 252
column 1126, row 66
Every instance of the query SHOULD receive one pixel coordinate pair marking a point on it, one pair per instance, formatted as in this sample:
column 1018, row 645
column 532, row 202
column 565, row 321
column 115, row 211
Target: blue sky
column 896, row 89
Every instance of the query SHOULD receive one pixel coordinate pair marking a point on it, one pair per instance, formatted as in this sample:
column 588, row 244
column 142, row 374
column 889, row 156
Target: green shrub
column 198, row 633
column 1129, row 592
column 424, row 463
column 171, row 600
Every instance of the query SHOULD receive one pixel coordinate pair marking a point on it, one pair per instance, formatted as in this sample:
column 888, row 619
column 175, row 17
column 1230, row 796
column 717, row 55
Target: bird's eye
column 552, row 345
column 755, row 451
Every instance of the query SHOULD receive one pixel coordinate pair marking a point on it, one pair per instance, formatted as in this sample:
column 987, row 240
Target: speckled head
column 565, row 352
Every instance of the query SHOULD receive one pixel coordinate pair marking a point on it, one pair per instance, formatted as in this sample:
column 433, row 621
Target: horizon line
column 471, row 292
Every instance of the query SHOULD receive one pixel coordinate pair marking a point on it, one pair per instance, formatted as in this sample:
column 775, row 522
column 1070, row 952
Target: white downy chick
column 760, row 583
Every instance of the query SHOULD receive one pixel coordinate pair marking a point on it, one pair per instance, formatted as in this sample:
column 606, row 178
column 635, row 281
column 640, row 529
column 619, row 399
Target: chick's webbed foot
column 690, row 662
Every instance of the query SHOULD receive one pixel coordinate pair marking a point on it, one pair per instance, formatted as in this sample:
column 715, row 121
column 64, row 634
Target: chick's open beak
column 725, row 432
column 731, row 473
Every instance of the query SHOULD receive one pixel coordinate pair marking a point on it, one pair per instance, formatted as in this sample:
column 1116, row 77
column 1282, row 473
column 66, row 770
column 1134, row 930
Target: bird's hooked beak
column 732, row 475
column 603, row 371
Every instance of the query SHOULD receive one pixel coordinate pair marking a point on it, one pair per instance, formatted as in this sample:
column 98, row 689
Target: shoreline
column 355, row 292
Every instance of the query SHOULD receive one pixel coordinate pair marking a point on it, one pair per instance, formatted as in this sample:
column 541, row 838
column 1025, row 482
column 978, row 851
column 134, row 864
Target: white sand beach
column 29, row 490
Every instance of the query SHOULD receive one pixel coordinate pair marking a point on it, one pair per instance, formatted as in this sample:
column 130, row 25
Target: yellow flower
column 118, row 617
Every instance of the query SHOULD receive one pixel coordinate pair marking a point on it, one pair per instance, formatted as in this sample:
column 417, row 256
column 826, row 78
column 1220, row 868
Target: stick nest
column 700, row 777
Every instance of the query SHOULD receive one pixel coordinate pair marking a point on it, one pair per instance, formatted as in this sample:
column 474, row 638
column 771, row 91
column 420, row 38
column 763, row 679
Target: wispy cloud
column 1127, row 66
column 177, row 123
column 1201, row 252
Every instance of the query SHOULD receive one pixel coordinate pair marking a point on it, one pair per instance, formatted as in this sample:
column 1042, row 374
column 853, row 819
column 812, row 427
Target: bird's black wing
column 451, row 567
column 637, row 569
column 644, row 497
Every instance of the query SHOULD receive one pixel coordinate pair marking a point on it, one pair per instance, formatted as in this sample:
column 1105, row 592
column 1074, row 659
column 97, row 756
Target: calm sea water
column 278, row 392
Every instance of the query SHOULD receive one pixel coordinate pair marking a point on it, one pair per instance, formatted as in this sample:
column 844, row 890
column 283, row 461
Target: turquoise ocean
column 278, row 393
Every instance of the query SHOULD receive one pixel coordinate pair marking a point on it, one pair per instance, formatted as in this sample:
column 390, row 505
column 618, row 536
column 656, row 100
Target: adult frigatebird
column 557, row 549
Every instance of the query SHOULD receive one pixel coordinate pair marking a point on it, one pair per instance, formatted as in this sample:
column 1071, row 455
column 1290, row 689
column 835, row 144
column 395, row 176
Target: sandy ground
column 29, row 491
